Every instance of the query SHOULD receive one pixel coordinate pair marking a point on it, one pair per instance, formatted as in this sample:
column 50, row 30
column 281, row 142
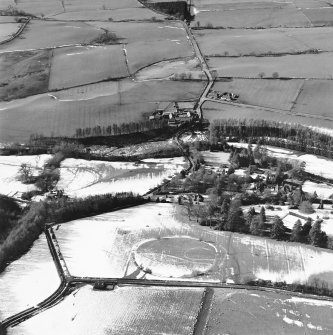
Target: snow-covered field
column 28, row 280
column 125, row 310
column 9, row 172
column 324, row 191
column 104, row 246
column 81, row 178
column 255, row 312
column 317, row 165
column 175, row 257
column 101, row 246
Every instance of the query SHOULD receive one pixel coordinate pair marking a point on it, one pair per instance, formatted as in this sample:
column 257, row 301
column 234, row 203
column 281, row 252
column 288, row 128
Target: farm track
column 204, row 66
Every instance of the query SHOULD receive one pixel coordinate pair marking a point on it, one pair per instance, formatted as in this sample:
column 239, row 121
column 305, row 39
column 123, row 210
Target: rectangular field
column 278, row 94
column 316, row 98
column 77, row 66
column 237, row 42
column 320, row 16
column 319, row 66
column 264, row 15
column 124, row 310
column 118, row 14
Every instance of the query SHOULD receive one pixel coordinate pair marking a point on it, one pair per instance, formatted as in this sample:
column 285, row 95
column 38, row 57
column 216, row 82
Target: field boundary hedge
column 17, row 34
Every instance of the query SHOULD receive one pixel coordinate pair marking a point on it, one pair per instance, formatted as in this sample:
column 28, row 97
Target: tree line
column 285, row 135
column 124, row 128
column 32, row 222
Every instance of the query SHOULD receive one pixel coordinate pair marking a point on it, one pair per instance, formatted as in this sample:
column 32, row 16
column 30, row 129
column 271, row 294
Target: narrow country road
column 204, row 66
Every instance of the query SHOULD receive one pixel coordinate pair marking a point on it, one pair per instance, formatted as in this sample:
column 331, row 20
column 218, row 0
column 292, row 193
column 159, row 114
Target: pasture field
column 40, row 34
column 238, row 258
column 124, row 310
column 171, row 70
column 9, row 172
column 50, row 8
column 318, row 66
column 62, row 116
column 150, row 43
column 23, row 73
column 142, row 54
column 86, row 5
column 320, row 16
column 216, row 110
column 132, row 32
column 237, row 42
column 316, row 98
column 36, row 7
column 253, row 312
column 8, row 29
column 278, row 94
column 80, row 178
column 7, row 19
column 118, row 14
column 265, row 15
column 77, row 66
column 28, row 280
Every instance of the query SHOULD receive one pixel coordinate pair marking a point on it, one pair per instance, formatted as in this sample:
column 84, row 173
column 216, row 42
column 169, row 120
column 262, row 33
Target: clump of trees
column 106, row 37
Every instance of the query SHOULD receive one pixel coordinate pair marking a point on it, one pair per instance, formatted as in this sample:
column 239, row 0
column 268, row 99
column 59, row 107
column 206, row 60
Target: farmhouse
column 176, row 113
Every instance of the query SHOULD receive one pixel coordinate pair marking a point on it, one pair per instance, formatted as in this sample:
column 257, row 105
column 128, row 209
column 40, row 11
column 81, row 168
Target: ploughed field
column 125, row 310
column 153, row 241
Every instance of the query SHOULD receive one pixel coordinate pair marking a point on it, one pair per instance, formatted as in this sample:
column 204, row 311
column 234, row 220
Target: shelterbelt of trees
column 124, row 128
column 32, row 221
column 285, row 135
